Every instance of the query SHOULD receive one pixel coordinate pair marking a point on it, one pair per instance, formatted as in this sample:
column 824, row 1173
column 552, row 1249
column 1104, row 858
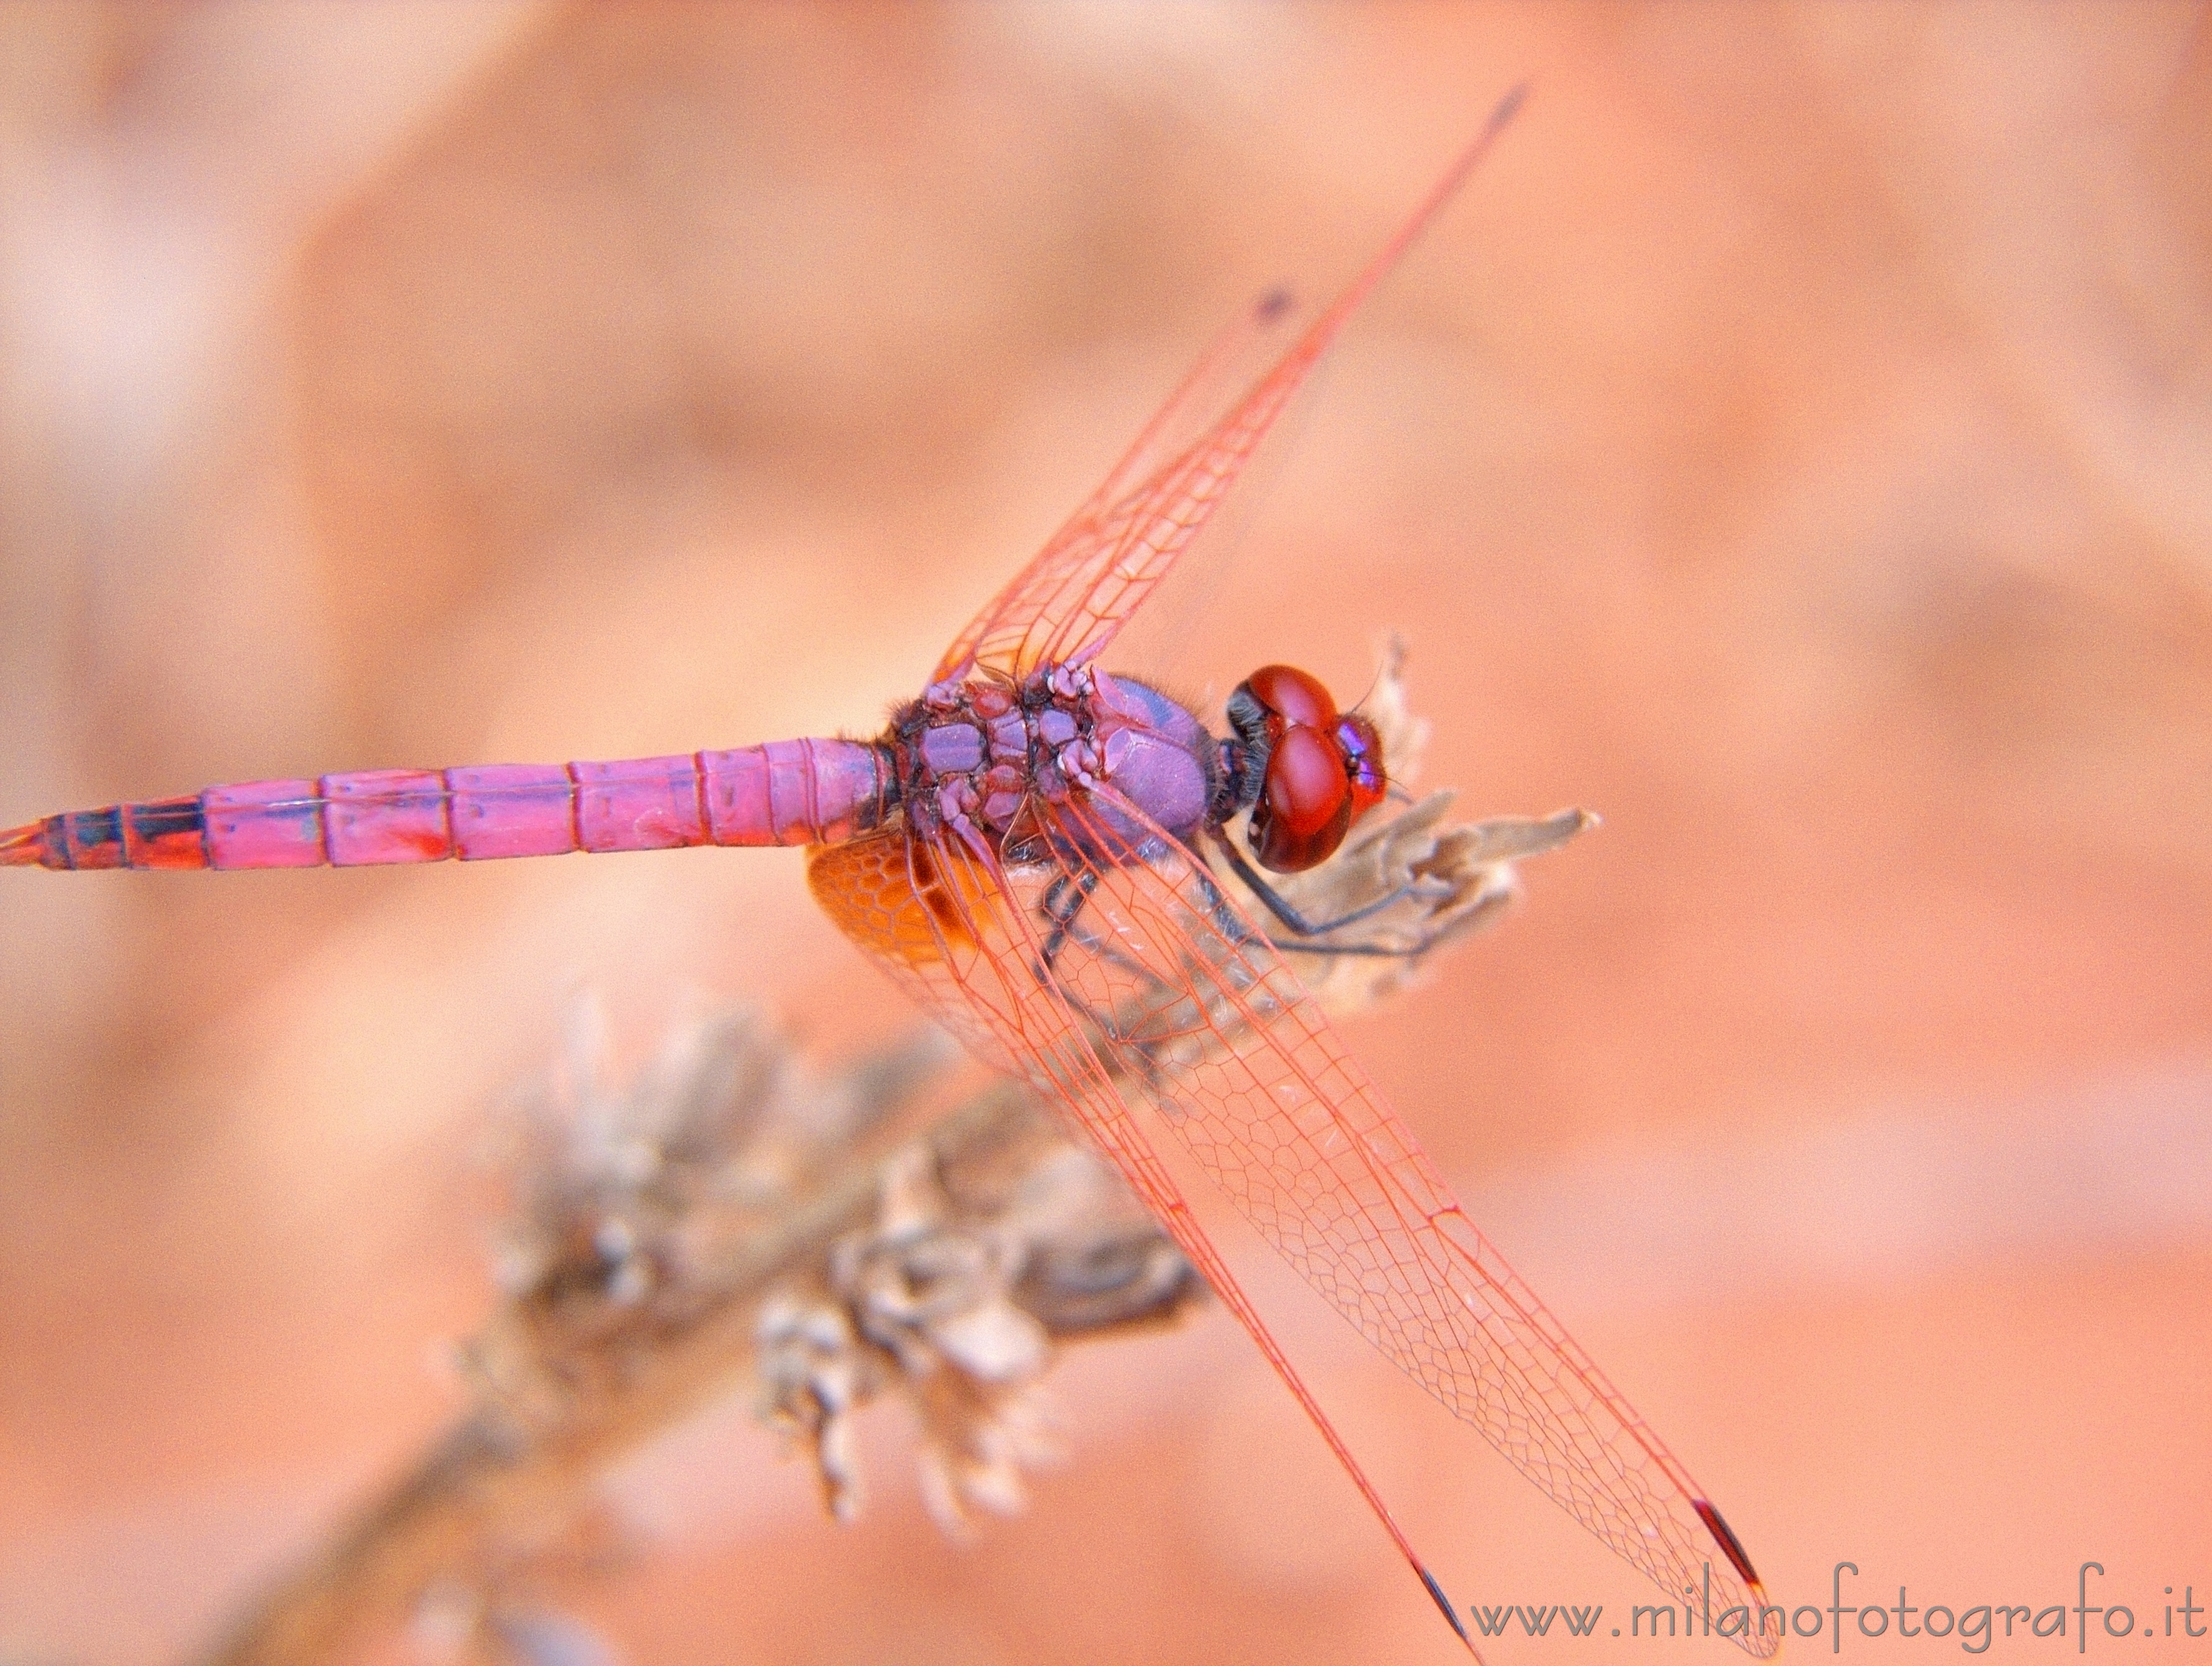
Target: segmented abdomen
column 788, row 792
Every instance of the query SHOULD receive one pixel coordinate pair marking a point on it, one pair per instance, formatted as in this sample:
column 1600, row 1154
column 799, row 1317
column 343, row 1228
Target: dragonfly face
column 1309, row 771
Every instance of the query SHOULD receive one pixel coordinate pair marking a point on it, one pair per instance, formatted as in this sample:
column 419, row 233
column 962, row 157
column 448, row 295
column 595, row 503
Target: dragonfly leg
column 1296, row 923
column 1062, row 906
column 1422, row 942
column 1063, row 901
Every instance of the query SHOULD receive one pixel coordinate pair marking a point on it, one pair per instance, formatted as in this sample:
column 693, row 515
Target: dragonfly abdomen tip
column 23, row 846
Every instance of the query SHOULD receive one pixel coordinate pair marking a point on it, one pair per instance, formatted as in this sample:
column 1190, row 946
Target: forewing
column 1068, row 602
column 1008, row 635
column 1190, row 1003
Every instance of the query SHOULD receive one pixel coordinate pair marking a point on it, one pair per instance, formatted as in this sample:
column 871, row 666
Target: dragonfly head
column 1309, row 771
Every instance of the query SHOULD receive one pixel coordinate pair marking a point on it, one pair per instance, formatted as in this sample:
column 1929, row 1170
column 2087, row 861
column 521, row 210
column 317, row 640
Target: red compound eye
column 1322, row 771
column 1306, row 805
column 1294, row 696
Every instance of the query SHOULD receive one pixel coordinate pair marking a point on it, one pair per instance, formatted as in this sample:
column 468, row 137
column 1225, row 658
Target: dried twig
column 729, row 1219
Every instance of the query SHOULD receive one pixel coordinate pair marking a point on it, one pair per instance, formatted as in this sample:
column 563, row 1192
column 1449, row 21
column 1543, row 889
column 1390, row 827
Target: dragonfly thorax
column 972, row 754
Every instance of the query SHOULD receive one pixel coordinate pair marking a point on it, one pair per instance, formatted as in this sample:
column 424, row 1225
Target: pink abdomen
column 788, row 792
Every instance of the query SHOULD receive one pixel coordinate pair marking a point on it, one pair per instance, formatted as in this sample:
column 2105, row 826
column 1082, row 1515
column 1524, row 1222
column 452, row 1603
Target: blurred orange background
column 1796, row 444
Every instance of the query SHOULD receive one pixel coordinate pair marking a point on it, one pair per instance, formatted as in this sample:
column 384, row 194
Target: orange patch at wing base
column 897, row 896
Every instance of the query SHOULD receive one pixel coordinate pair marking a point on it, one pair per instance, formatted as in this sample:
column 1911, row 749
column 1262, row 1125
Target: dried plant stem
column 497, row 1478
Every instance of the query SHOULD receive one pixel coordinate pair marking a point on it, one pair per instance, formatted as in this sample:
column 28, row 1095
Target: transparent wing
column 951, row 927
column 1068, row 602
column 1068, row 567
column 1063, row 567
column 938, row 920
column 1159, row 986
column 1193, row 1006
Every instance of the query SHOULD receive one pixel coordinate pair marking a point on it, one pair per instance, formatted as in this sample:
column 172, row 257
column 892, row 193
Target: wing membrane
column 1189, row 1004
column 1057, row 577
column 948, row 923
column 1068, row 602
column 1159, row 987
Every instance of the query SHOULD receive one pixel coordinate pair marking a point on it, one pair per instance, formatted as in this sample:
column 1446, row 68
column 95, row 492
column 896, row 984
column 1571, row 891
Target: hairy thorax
column 976, row 756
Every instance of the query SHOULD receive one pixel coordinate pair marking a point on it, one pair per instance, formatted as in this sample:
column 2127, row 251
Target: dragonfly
column 1024, row 850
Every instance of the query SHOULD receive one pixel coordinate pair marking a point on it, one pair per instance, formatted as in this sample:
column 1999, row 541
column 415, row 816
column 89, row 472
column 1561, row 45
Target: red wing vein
column 1251, row 1077
column 1057, row 578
